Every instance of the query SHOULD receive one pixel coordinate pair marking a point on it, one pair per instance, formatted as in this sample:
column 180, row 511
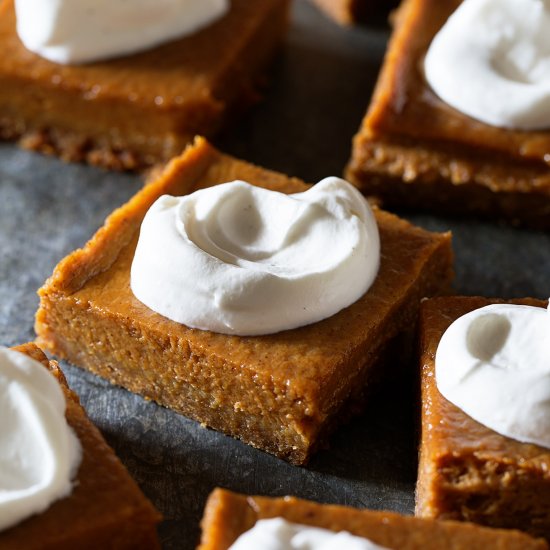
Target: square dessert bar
column 467, row 471
column 413, row 150
column 348, row 12
column 137, row 110
column 283, row 392
column 106, row 509
column 228, row 515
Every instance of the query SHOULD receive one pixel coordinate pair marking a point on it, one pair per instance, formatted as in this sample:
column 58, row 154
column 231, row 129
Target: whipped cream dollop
column 239, row 259
column 279, row 534
column 39, row 452
column 491, row 61
column 80, row 31
column 494, row 364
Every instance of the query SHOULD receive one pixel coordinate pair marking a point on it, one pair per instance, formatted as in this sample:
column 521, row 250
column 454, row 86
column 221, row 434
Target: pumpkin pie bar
column 106, row 509
column 413, row 150
column 283, row 392
column 467, row 471
column 228, row 515
column 138, row 110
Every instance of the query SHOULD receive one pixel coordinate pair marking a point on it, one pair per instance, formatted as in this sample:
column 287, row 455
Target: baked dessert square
column 348, row 12
column 413, row 150
column 137, row 110
column 106, row 509
column 228, row 515
column 284, row 392
column 468, row 471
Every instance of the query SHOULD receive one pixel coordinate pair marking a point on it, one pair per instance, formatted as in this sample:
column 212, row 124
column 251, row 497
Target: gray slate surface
column 320, row 87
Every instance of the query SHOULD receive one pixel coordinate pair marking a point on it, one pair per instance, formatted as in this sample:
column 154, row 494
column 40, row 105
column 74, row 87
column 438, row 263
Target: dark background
column 319, row 89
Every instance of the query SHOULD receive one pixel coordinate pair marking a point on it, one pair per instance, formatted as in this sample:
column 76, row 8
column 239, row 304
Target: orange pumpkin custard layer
column 468, row 471
column 228, row 515
column 105, row 509
column 137, row 110
column 414, row 150
column 282, row 392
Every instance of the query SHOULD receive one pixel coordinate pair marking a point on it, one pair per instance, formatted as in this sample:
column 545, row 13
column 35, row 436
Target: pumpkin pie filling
column 105, row 509
column 281, row 392
column 137, row 110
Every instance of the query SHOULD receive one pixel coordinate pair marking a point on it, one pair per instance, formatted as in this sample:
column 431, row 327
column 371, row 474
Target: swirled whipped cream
column 279, row 534
column 494, row 364
column 80, row 31
column 491, row 61
column 39, row 453
column 239, row 259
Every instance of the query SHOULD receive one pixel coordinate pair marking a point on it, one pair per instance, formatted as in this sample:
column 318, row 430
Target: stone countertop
column 319, row 89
